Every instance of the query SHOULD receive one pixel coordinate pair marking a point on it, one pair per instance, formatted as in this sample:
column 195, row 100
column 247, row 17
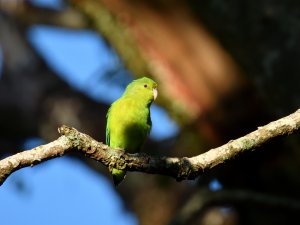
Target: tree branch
column 29, row 14
column 204, row 198
column 179, row 168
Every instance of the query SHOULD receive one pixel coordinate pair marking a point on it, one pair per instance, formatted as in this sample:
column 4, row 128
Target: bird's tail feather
column 118, row 176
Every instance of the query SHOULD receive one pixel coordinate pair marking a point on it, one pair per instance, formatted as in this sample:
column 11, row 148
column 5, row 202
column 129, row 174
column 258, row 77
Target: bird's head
column 144, row 88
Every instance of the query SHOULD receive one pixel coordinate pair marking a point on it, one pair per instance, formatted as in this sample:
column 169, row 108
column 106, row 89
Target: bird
column 128, row 120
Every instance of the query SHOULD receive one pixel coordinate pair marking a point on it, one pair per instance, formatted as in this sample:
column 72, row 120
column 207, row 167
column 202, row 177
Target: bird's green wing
column 107, row 128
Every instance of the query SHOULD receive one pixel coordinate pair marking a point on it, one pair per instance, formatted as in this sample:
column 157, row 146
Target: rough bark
column 179, row 168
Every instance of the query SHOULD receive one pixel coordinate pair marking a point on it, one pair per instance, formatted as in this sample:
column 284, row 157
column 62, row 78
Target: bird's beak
column 155, row 93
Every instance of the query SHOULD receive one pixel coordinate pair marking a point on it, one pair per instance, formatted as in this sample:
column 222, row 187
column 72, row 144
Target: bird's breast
column 129, row 127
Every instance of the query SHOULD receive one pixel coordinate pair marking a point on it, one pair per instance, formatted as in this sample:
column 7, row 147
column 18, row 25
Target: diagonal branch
column 179, row 168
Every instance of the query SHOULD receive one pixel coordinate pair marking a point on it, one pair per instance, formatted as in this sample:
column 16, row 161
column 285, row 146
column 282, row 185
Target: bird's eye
column 145, row 85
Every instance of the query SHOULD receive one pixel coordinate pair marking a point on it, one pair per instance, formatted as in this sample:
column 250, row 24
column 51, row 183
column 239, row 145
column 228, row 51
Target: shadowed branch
column 204, row 198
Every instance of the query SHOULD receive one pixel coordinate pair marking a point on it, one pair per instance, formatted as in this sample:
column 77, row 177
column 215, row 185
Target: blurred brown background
column 223, row 68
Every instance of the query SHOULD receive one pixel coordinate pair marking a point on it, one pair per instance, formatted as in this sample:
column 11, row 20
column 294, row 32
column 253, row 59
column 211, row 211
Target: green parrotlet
column 128, row 119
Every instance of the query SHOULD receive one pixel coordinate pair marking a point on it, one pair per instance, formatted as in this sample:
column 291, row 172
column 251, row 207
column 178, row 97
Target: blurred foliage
column 257, row 40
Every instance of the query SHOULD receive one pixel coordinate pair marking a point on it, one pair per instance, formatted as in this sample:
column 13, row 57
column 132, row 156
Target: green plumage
column 129, row 121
